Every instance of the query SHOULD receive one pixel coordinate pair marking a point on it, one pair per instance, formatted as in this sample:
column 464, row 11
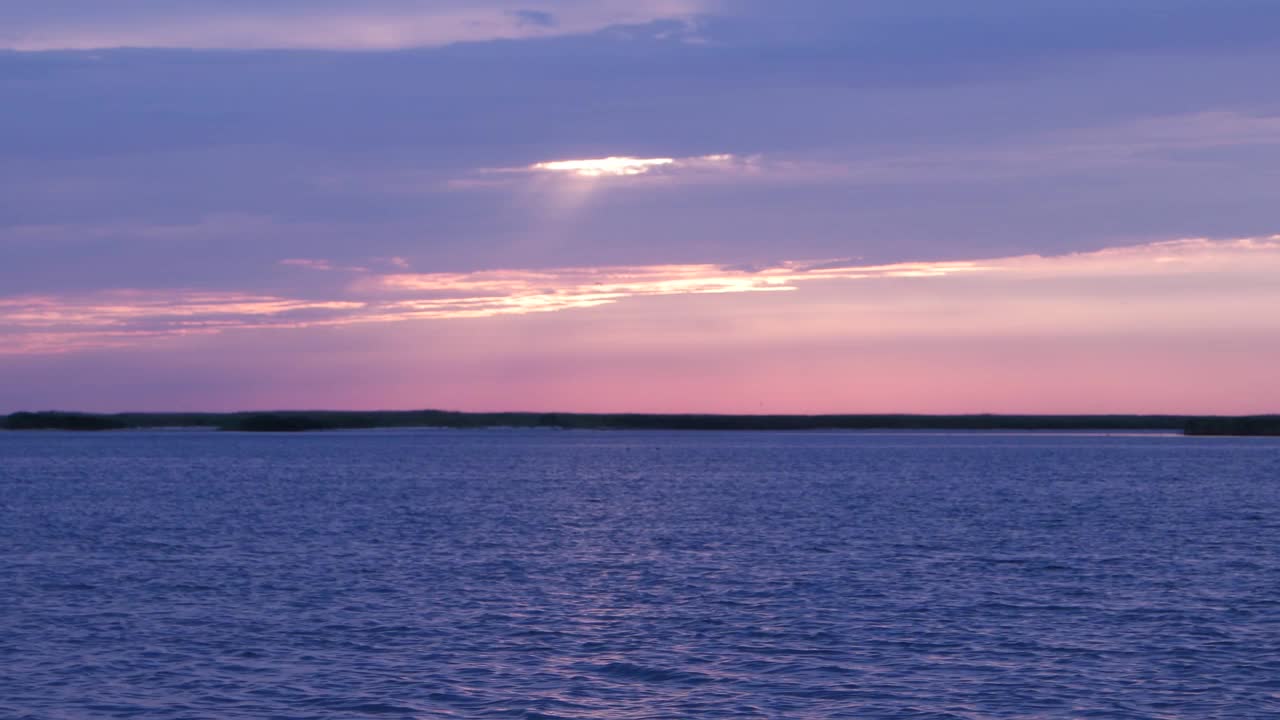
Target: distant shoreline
column 302, row 421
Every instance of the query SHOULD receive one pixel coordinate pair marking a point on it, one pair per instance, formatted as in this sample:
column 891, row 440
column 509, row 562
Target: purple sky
column 882, row 205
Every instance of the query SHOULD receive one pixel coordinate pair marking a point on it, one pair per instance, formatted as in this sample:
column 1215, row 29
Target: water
column 542, row 574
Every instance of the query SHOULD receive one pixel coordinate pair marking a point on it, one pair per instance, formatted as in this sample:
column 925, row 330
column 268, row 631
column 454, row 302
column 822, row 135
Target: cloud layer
column 288, row 24
column 54, row 324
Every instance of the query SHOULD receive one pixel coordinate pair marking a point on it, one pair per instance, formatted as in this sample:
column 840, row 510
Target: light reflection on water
column 638, row 575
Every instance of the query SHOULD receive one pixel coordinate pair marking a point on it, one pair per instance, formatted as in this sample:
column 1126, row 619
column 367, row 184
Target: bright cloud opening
column 623, row 166
column 604, row 166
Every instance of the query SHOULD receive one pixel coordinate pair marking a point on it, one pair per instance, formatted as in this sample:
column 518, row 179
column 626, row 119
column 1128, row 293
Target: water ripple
column 508, row 574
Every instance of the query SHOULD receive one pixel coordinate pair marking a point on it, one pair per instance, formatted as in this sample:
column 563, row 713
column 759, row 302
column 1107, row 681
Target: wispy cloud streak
column 52, row 324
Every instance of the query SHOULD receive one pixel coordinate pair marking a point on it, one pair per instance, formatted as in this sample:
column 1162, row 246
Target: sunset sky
column 812, row 206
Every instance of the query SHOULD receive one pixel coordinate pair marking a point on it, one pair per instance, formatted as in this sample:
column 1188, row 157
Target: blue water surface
column 577, row 574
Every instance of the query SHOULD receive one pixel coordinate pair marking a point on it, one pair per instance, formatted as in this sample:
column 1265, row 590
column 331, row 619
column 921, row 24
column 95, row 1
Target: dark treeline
column 295, row 421
column 1257, row 425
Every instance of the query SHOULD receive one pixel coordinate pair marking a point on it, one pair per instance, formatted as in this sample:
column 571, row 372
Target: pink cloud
column 1028, row 294
column 120, row 318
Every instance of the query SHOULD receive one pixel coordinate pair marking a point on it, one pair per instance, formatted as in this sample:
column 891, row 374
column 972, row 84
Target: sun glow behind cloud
column 561, row 188
column 604, row 166
column 622, row 166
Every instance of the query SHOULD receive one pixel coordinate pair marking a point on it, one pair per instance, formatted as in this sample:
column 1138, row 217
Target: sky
column 818, row 206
